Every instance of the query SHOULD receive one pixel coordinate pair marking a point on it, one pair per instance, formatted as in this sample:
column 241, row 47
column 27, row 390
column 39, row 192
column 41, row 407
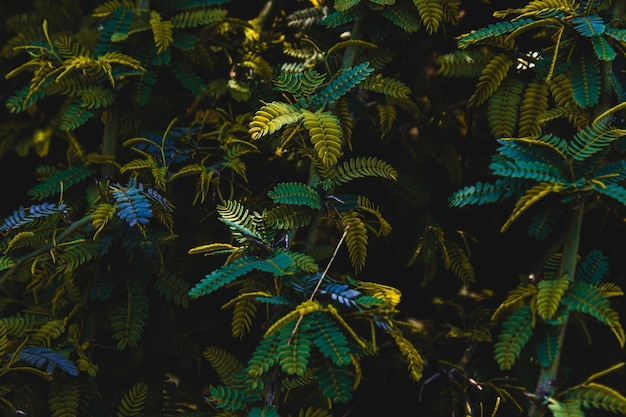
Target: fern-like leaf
column 356, row 239
column 101, row 217
column 483, row 193
column 226, row 398
column 549, row 296
column 295, row 193
column 589, row 299
column 387, row 86
column 463, row 63
column 340, row 85
column 132, row 204
column 50, row 358
column 128, row 322
column 431, row 13
column 491, row 31
column 75, row 116
column 490, row 78
column 63, row 399
column 223, row 276
column 161, row 31
column 403, row 16
column 534, row 102
column 329, row 339
column 598, row 396
column 603, row 49
column 589, row 26
column 60, row 181
column 272, row 117
column 415, row 361
column 134, row 400
column 593, row 267
column 225, row 363
column 531, row 196
column 240, row 221
column 516, row 332
column 289, row 217
column 335, row 383
column 363, row 167
column 200, row 17
column 548, row 346
column 325, row 132
column 173, row 288
column 585, row 79
column 592, row 139
column 294, row 348
column 21, row 217
column 504, row 106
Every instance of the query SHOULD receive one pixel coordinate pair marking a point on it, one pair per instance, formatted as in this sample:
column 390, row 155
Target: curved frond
column 132, row 204
column 60, row 180
column 463, row 63
column 598, row 396
column 340, row 84
column 531, row 196
column 415, row 361
column 272, row 117
column 199, row 17
column 329, row 339
column 593, row 268
column 361, row 167
column 225, row 363
column 326, row 136
column 516, row 332
column 294, row 347
column 63, row 400
column 50, row 358
column 431, row 13
column 295, row 193
column 534, row 102
column 588, row 298
column 588, row 26
column 335, row 383
column 491, row 76
column 483, row 193
column 403, row 16
column 23, row 216
column 134, row 401
column 387, row 86
column 289, row 217
column 239, row 220
column 549, row 296
column 493, row 30
column 504, row 106
column 593, row 138
column 227, row 398
column 585, row 79
column 173, row 288
column 128, row 322
column 548, row 346
column 356, row 239
column 264, row 356
column 223, row 276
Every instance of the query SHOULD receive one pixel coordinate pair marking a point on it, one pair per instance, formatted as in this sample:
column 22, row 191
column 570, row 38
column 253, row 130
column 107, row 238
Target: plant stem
column 547, row 377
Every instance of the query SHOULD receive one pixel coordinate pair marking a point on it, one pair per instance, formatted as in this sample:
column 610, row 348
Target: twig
column 319, row 282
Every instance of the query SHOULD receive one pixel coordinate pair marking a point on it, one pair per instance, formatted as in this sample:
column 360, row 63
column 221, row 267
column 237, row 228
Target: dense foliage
column 263, row 208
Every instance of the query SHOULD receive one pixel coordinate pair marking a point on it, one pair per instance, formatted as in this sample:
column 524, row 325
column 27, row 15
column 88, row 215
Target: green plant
column 237, row 207
column 572, row 79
